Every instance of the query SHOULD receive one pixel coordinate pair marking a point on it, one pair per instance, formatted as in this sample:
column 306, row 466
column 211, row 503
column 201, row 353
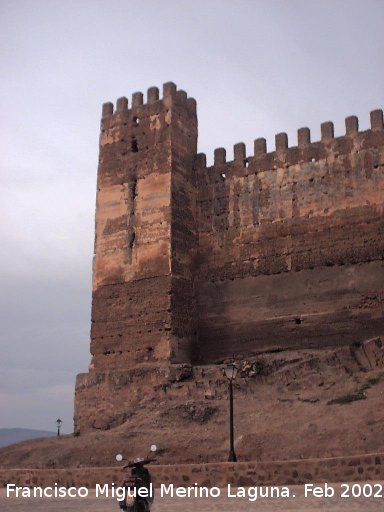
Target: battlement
column 171, row 96
column 305, row 151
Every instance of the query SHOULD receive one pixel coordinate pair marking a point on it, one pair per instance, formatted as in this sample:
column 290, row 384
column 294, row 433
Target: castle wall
column 291, row 243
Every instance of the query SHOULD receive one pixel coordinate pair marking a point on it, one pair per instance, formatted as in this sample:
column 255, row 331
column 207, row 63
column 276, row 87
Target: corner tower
column 145, row 243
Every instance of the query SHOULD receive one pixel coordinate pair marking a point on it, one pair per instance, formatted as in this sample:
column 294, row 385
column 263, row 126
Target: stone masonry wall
column 337, row 469
column 291, row 243
column 142, row 239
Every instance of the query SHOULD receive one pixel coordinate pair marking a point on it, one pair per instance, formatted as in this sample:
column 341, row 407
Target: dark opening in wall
column 132, row 239
column 297, row 321
column 133, row 189
column 135, row 121
column 134, row 146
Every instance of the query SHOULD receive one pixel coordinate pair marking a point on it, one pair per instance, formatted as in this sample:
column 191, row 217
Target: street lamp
column 58, row 423
column 231, row 372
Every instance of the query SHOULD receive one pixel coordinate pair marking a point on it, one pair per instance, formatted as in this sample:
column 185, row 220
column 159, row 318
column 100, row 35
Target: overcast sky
column 255, row 68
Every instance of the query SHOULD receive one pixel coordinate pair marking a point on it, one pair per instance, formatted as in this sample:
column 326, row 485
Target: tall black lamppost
column 58, row 423
column 231, row 372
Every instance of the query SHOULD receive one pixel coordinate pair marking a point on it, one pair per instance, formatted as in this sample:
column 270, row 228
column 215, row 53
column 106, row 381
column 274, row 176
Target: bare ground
column 290, row 405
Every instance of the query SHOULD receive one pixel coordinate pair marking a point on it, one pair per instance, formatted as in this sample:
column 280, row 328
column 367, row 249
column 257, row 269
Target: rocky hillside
column 288, row 405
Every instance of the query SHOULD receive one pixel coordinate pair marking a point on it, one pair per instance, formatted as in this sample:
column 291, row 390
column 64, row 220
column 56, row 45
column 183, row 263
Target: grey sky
column 255, row 68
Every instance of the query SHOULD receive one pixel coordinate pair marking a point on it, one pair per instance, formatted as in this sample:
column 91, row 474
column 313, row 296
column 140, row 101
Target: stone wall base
column 295, row 472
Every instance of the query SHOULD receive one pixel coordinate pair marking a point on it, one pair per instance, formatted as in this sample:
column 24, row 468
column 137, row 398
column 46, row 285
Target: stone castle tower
column 145, row 248
column 193, row 265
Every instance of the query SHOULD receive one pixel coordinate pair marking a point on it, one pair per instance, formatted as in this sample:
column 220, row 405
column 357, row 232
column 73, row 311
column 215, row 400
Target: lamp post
column 231, row 372
column 58, row 423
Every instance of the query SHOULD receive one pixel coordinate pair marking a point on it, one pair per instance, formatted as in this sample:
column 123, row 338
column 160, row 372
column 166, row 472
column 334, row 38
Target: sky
column 256, row 68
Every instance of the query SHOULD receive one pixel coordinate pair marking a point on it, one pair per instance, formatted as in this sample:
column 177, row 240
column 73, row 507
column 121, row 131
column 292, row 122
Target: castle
column 194, row 265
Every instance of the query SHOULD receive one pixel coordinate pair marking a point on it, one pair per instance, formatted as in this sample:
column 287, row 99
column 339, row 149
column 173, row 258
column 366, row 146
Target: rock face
column 195, row 264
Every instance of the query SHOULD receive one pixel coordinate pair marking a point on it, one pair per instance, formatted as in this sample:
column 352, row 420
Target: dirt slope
column 288, row 405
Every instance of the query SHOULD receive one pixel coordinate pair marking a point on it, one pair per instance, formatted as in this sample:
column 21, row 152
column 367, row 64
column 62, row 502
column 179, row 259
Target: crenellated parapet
column 132, row 129
column 125, row 110
column 285, row 156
